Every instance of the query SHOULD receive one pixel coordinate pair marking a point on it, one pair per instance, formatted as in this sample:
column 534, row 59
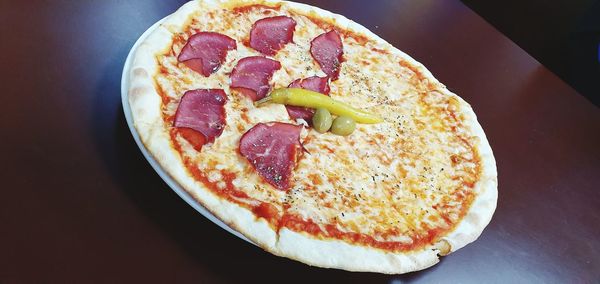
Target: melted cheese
column 395, row 181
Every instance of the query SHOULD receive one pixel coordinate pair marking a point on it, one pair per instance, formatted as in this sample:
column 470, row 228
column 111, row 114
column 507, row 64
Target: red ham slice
column 327, row 50
column 204, row 52
column 252, row 74
column 269, row 35
column 272, row 149
column 203, row 111
column 314, row 83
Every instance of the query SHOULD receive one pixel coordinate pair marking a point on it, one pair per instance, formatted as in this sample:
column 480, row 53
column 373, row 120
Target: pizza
column 392, row 196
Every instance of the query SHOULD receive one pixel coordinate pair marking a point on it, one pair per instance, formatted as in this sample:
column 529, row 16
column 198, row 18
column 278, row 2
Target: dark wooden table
column 80, row 204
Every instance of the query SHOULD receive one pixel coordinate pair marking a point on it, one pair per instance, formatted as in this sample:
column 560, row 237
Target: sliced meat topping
column 269, row 35
column 201, row 113
column 273, row 149
column 328, row 51
column 314, row 83
column 252, row 74
column 204, row 52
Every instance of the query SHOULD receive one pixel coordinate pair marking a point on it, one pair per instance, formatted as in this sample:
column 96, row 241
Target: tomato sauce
column 267, row 211
column 296, row 223
column 250, row 8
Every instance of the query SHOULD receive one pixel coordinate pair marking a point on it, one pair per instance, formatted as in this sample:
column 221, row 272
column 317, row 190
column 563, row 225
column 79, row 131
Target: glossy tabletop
column 81, row 204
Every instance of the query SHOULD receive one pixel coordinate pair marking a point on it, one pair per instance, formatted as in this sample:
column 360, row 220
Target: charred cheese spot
column 397, row 185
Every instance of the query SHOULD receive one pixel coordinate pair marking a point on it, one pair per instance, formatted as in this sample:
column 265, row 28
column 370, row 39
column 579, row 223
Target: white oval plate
column 172, row 183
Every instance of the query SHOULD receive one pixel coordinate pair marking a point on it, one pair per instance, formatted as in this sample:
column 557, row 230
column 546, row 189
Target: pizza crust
column 145, row 107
